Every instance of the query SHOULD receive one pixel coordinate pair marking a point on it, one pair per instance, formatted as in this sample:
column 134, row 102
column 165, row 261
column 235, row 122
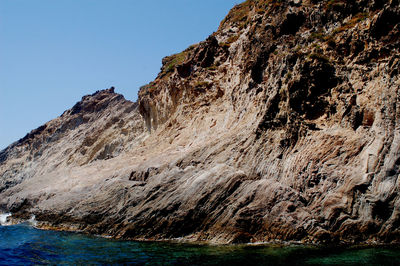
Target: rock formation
column 282, row 125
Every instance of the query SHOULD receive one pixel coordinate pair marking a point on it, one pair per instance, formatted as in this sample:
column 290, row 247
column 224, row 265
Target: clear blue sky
column 52, row 52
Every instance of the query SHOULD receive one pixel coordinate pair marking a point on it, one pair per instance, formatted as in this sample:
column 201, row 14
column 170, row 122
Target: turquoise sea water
column 24, row 245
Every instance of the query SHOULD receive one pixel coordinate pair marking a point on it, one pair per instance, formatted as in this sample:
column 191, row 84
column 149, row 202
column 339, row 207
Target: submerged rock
column 282, row 125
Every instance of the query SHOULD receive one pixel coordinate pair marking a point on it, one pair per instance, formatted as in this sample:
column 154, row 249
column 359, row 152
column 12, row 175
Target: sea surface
column 24, row 245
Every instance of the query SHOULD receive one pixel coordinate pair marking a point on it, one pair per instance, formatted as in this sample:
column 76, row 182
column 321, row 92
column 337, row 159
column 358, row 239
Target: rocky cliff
column 282, row 125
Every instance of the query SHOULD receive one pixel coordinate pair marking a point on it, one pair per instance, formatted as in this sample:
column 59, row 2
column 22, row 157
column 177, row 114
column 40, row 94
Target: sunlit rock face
column 282, row 125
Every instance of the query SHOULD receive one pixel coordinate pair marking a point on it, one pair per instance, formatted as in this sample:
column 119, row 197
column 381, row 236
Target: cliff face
column 282, row 125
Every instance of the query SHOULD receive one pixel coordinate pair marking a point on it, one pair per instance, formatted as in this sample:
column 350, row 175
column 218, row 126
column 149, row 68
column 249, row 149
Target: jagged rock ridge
column 282, row 125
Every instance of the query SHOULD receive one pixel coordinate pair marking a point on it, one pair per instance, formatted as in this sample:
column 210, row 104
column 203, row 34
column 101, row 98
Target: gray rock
column 271, row 131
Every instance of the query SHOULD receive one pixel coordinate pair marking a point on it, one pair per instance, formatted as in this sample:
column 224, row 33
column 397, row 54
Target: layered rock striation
column 282, row 125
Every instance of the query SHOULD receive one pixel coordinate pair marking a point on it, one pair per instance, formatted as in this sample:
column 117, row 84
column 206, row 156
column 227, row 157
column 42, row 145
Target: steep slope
column 99, row 127
column 282, row 125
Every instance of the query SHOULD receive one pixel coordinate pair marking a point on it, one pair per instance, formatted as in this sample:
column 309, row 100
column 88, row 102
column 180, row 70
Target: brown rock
column 269, row 130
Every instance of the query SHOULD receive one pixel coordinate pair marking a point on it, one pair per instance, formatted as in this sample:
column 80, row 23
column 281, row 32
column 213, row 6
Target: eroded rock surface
column 282, row 125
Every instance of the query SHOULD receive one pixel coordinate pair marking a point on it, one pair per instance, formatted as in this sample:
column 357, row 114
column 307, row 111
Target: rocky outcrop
column 99, row 127
column 282, row 125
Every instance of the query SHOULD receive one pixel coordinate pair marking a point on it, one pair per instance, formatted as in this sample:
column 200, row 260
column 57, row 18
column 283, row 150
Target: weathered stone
column 283, row 125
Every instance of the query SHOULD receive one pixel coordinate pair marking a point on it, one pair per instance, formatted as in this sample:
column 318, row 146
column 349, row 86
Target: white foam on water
column 32, row 221
column 3, row 218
